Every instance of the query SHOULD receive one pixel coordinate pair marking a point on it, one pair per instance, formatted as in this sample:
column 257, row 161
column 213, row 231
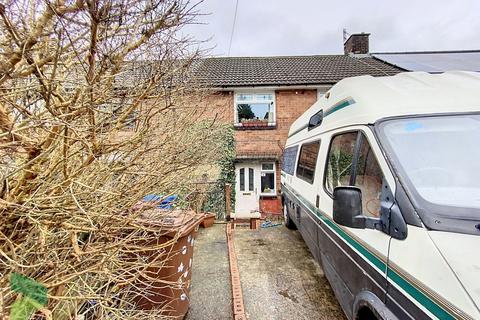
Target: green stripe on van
column 338, row 106
column 413, row 291
column 367, row 254
column 425, row 301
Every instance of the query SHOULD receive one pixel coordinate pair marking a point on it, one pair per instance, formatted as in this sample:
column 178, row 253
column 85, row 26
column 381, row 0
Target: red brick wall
column 289, row 104
column 270, row 206
column 218, row 106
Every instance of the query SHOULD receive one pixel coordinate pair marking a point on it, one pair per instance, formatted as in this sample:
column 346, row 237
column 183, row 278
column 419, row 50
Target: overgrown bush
column 215, row 200
column 95, row 112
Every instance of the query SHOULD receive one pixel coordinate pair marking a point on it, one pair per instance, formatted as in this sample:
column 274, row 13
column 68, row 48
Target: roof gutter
column 325, row 87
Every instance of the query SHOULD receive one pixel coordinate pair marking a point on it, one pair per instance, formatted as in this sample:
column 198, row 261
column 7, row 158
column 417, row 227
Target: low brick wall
column 270, row 205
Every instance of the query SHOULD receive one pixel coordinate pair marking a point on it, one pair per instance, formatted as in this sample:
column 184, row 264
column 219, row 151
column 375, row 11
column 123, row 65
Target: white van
column 382, row 178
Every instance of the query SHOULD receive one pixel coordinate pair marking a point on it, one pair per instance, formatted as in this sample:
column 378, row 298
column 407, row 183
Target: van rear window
column 307, row 161
column 289, row 158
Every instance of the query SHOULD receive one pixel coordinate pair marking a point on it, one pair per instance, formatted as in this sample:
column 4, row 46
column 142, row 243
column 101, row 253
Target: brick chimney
column 357, row 43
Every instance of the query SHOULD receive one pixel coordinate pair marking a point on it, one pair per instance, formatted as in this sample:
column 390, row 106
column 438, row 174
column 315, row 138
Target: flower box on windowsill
column 255, row 125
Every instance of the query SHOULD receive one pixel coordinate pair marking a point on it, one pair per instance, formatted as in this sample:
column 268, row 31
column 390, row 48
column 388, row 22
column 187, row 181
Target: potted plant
column 208, row 220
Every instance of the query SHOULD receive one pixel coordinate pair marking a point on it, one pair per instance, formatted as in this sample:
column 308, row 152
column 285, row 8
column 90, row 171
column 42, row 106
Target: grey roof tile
column 288, row 70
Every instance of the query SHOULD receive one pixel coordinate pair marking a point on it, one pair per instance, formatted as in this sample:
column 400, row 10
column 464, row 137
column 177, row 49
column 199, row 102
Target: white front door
column 247, row 187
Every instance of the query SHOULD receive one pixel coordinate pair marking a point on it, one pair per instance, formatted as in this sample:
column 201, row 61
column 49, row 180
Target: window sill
column 255, row 126
column 268, row 195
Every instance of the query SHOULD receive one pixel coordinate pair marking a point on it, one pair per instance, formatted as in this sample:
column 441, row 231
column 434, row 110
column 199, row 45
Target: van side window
column 289, row 158
column 369, row 179
column 340, row 157
column 307, row 161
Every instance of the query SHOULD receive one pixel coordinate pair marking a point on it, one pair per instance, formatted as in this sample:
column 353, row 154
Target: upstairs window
column 255, row 109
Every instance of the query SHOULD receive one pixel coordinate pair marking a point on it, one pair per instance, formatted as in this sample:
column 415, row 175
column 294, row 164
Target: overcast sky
column 302, row 27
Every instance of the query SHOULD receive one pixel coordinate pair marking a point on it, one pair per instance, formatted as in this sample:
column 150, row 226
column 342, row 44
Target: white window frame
column 237, row 122
column 274, row 171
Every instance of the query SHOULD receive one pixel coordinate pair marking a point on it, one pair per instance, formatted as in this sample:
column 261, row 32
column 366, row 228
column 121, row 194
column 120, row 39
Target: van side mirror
column 347, row 207
column 347, row 211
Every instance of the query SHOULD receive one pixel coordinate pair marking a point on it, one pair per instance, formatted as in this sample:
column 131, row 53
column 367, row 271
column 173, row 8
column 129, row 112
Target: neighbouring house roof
column 433, row 61
column 288, row 70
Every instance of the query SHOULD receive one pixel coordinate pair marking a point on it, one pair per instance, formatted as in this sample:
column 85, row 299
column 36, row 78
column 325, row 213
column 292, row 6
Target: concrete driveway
column 280, row 279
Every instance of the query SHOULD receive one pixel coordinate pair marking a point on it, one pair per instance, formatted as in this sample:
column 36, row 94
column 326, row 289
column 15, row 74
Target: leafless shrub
column 97, row 109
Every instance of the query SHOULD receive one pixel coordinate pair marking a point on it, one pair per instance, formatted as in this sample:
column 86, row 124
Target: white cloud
column 287, row 27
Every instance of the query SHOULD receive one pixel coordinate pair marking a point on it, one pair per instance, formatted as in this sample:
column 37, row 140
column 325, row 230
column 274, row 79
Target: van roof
column 366, row 99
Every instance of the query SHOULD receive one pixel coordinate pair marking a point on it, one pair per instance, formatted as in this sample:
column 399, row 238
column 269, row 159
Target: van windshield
column 439, row 159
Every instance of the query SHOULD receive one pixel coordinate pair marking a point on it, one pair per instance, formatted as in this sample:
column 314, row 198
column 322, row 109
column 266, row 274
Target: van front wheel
column 288, row 221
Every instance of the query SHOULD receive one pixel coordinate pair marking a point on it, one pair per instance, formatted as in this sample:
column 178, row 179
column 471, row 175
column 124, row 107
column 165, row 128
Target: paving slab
column 210, row 295
column 279, row 277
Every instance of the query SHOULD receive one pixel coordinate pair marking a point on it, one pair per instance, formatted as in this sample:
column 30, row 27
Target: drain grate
column 237, row 296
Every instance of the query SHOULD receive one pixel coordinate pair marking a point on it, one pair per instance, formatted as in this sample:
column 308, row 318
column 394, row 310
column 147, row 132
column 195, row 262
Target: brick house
column 262, row 96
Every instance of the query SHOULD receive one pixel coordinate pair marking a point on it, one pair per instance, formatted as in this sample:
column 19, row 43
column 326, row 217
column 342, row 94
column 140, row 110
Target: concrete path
column 211, row 294
column 280, row 279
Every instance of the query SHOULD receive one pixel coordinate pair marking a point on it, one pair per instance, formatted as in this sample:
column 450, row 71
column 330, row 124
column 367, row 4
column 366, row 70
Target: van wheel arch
column 365, row 313
column 368, row 306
